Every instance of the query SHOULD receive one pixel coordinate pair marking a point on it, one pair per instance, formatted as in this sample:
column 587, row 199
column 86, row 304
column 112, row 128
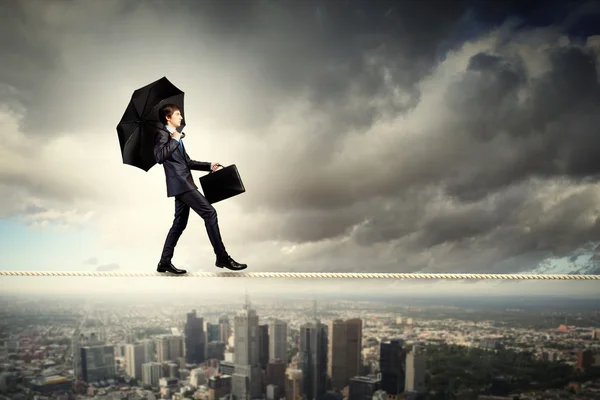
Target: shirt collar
column 170, row 128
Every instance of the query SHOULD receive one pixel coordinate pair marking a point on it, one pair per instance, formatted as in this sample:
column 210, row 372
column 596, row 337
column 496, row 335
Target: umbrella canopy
column 140, row 120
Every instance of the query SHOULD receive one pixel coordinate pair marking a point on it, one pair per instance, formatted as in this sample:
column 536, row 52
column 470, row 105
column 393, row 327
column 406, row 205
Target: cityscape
column 329, row 348
column 413, row 187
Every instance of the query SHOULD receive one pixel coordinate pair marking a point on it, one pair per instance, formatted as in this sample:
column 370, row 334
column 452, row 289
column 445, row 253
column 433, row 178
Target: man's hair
column 166, row 111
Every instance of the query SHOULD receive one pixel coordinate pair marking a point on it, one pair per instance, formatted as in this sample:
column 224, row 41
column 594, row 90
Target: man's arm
column 164, row 146
column 198, row 165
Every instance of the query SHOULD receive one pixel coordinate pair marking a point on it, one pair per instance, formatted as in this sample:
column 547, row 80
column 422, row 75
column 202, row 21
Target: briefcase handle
column 220, row 165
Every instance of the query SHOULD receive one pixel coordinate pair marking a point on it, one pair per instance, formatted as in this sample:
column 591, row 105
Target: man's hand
column 215, row 166
column 176, row 135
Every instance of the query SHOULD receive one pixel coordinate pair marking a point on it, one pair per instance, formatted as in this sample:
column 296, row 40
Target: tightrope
column 304, row 275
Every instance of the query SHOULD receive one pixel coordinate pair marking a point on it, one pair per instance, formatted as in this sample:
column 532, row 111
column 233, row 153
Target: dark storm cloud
column 320, row 48
column 28, row 58
column 471, row 193
column 553, row 133
column 33, row 74
column 494, row 139
column 517, row 224
column 500, row 206
column 314, row 46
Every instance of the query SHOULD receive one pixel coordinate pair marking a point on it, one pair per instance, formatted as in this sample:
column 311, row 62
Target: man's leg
column 182, row 213
column 200, row 205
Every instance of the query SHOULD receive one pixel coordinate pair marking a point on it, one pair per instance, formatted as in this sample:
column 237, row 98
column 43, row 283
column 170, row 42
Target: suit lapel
column 180, row 147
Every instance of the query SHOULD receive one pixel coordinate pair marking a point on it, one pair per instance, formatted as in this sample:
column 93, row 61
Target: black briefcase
column 222, row 184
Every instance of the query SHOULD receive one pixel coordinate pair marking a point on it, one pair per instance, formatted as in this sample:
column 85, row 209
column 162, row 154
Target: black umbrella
column 140, row 120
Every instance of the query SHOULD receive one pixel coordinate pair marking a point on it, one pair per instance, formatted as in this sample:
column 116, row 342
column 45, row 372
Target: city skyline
column 410, row 347
column 381, row 137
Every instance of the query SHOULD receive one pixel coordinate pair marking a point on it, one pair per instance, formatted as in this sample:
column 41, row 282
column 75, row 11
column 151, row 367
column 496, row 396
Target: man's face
column 175, row 119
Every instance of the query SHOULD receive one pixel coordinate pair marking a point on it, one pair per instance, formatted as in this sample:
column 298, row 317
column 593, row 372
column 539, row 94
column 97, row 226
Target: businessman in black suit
column 170, row 152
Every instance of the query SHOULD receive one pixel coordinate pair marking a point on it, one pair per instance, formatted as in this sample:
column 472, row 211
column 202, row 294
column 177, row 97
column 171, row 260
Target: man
column 170, row 152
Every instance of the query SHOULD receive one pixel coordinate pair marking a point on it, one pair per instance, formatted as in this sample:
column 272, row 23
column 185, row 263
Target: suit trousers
column 196, row 201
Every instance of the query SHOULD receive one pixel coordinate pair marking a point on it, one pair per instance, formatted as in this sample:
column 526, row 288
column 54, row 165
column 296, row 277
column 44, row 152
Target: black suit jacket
column 176, row 163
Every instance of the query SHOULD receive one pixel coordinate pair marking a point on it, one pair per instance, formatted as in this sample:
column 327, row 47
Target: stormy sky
column 375, row 136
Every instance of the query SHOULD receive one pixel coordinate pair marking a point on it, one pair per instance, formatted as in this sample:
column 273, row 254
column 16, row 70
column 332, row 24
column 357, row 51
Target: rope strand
column 304, row 275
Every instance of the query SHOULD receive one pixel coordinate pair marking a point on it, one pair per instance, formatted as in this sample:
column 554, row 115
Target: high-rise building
column 246, row 381
column 263, row 346
column 162, row 349
column 215, row 350
column 76, row 354
column 313, row 360
column 97, row 363
column 151, row 373
column 416, row 363
column 197, row 377
column 363, row 387
column 135, row 356
column 585, row 359
column 392, row 365
column 173, row 370
column 169, row 348
column 213, row 332
column 226, row 368
column 246, row 337
column 194, row 339
column 273, row 392
column 149, row 349
column 344, row 351
column 278, row 340
column 276, row 374
column 219, row 386
column 175, row 347
column 224, row 329
column 293, row 384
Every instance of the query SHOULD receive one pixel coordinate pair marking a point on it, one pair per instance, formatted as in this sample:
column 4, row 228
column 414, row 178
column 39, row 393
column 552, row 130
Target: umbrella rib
column 146, row 102
column 131, row 136
column 153, row 108
column 159, row 103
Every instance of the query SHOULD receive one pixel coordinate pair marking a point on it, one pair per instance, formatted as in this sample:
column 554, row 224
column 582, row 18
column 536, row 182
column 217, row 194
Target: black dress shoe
column 231, row 264
column 165, row 266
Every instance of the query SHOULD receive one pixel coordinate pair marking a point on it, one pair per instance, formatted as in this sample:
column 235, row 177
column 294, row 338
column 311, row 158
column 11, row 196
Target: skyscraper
column 344, row 351
column 135, row 355
column 213, row 332
column 276, row 374
column 263, row 346
column 246, row 382
column 363, row 387
column 392, row 364
column 97, row 363
column 194, row 339
column 224, row 328
column 313, row 360
column 293, row 384
column 416, row 362
column 151, row 373
column 169, row 347
column 246, row 337
column 278, row 340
